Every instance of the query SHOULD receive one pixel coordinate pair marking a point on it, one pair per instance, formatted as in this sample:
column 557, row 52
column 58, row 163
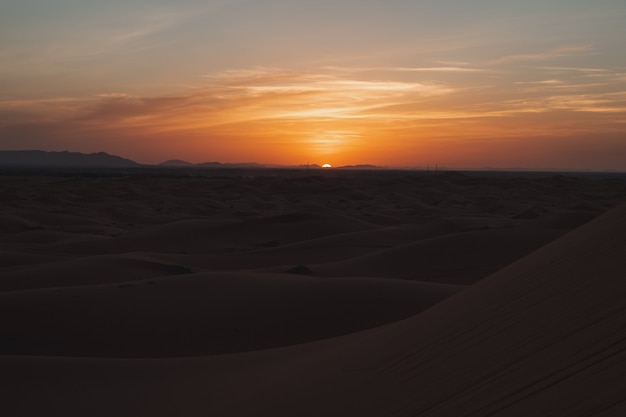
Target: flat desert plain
column 188, row 292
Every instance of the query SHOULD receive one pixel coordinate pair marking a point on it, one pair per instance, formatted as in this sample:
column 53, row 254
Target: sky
column 399, row 83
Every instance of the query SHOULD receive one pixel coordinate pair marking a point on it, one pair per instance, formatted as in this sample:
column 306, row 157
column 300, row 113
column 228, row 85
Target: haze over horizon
column 392, row 83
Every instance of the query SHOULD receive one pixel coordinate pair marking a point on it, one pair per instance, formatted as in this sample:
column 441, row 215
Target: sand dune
column 329, row 248
column 201, row 235
column 279, row 295
column 456, row 258
column 223, row 235
column 89, row 270
column 440, row 251
column 460, row 258
column 540, row 337
column 11, row 258
column 202, row 314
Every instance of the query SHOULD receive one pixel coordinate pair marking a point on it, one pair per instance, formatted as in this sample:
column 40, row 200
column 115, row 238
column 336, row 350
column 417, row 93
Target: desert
column 312, row 208
column 247, row 292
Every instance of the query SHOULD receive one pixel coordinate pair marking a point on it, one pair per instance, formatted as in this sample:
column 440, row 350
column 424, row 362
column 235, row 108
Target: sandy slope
column 460, row 258
column 88, row 270
column 202, row 314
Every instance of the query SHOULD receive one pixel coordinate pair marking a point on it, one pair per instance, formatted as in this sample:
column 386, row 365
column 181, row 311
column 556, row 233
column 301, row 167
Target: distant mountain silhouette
column 230, row 165
column 362, row 166
column 176, row 163
column 33, row 159
column 255, row 165
column 67, row 159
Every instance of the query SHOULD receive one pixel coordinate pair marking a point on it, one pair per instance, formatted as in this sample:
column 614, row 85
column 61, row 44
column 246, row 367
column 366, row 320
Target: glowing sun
column 327, row 166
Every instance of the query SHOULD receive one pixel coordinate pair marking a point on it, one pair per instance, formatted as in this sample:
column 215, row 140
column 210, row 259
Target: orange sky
column 481, row 93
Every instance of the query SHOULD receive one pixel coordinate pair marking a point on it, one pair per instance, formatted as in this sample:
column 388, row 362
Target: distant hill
column 364, row 167
column 176, row 163
column 230, row 165
column 65, row 159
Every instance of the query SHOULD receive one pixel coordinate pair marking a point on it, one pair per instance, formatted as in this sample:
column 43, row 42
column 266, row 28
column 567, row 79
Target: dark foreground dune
column 370, row 294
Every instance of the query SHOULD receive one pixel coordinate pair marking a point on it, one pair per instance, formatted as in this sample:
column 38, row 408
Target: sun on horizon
column 327, row 166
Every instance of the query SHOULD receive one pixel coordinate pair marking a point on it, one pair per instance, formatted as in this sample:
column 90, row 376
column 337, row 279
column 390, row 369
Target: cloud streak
column 549, row 54
column 329, row 111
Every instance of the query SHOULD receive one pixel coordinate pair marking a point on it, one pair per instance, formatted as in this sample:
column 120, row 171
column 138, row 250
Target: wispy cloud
column 149, row 24
column 435, row 69
column 542, row 82
column 275, row 94
column 329, row 109
column 99, row 38
column 548, row 54
column 563, row 70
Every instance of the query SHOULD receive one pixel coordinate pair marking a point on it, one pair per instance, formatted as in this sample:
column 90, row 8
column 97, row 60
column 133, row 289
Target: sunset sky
column 497, row 83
